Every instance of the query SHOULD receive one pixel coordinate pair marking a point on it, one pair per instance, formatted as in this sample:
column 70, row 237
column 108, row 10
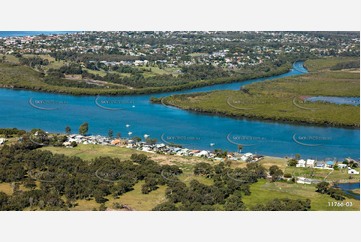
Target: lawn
column 321, row 174
column 264, row 191
column 88, row 152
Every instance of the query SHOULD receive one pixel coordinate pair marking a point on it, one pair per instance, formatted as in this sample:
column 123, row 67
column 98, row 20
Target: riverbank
column 14, row 76
column 93, row 146
column 282, row 100
column 262, row 191
column 269, row 138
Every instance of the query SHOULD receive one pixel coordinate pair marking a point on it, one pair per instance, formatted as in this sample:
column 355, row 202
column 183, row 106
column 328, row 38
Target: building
column 342, row 166
column 353, row 171
column 310, row 163
column 329, row 164
column 301, row 163
column 2, row 141
column 320, row 165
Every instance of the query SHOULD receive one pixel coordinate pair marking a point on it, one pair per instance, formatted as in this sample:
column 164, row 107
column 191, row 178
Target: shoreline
column 126, row 139
column 167, row 150
column 148, row 90
column 259, row 118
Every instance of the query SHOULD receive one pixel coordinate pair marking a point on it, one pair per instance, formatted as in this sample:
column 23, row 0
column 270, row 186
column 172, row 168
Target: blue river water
column 53, row 112
column 355, row 101
column 348, row 187
column 136, row 116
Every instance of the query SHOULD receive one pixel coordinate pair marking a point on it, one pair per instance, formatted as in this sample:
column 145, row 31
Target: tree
column 203, row 169
column 137, row 139
column 166, row 206
column 138, row 158
column 3, row 200
column 118, row 135
column 336, row 193
column 83, row 129
column 220, row 153
column 322, row 187
column 29, row 183
column 297, row 156
column 67, row 130
column 110, row 133
column 292, row 162
column 102, row 207
column 234, row 203
column 99, row 196
column 275, row 172
column 73, row 144
column 284, row 204
column 151, row 141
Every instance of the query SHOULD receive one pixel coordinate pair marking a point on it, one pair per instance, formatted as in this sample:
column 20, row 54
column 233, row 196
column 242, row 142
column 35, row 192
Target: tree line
column 57, row 182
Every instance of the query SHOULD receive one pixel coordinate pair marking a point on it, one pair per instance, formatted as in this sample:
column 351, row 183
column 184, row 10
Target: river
column 136, row 116
column 53, row 112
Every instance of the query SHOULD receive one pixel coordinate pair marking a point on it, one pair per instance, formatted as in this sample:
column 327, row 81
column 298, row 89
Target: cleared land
column 283, row 99
column 264, row 191
column 88, row 152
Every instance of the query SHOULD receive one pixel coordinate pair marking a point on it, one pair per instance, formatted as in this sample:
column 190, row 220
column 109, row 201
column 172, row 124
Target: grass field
column 321, row 174
column 326, row 63
column 10, row 58
column 282, row 99
column 264, row 191
column 133, row 199
column 88, row 152
column 142, row 202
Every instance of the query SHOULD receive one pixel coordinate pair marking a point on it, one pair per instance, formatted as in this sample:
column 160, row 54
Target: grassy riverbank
column 283, row 99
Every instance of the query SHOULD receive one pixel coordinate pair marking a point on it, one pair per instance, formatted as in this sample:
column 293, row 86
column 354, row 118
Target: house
column 353, row 171
column 329, row 164
column 116, row 142
column 320, row 165
column 202, row 153
column 310, row 163
column 2, row 141
column 342, row 166
column 301, row 163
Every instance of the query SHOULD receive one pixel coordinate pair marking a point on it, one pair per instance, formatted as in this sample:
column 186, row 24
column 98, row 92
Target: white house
column 2, row 141
column 342, row 166
column 352, row 171
column 202, row 153
column 310, row 163
column 301, row 163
